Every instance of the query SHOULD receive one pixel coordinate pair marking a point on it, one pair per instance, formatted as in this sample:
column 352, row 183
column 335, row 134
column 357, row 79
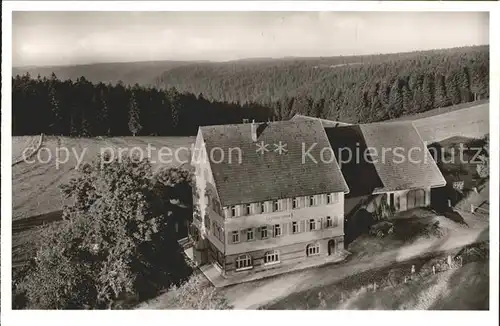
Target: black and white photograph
column 250, row 160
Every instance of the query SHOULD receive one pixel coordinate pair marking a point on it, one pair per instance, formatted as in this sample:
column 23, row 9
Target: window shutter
column 301, row 226
column 318, row 224
column 284, row 228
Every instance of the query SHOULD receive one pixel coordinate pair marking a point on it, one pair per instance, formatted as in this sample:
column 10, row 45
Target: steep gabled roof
column 397, row 158
column 271, row 175
column 324, row 122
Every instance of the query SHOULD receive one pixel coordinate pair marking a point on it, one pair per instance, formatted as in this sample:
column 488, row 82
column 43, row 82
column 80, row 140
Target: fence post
column 449, row 203
column 374, row 286
column 472, row 208
column 449, row 261
column 433, row 270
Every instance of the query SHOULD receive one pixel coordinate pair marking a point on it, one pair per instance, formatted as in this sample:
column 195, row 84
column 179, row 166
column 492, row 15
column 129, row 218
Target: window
column 295, row 203
column 329, row 198
column 335, row 221
column 243, row 262
column 272, row 257
column 218, row 231
column 207, row 222
column 248, row 209
column 235, row 236
column 329, row 222
column 250, row 236
column 263, row 207
column 312, row 249
column 295, row 227
column 277, row 230
column 276, row 206
column 263, row 232
column 312, row 224
column 233, row 211
column 312, row 201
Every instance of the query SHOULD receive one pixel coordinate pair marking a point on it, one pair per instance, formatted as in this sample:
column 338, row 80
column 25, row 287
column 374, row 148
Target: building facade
column 256, row 235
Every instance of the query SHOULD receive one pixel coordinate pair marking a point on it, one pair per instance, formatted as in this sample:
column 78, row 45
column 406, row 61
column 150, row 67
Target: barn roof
column 269, row 175
column 396, row 159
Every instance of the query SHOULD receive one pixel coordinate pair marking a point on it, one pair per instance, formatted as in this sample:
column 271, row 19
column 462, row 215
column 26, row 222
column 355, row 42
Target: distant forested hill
column 351, row 89
column 130, row 73
column 186, row 95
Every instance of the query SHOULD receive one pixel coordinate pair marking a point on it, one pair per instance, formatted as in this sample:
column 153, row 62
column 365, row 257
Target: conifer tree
column 134, row 124
column 440, row 98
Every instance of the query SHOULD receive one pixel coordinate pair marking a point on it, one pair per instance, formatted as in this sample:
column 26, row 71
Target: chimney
column 253, row 128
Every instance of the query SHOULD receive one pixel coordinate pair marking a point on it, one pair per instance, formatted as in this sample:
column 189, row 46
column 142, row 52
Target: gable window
column 295, row 227
column 329, row 222
column 277, row 230
column 295, row 203
column 233, row 211
column 312, row 224
column 243, row 262
column 248, row 209
column 250, row 235
column 263, row 232
column 276, row 206
column 312, row 249
column 271, row 257
column 235, row 236
column 329, row 198
column 263, row 207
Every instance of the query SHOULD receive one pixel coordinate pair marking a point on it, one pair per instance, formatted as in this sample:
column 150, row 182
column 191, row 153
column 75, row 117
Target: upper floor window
column 250, row 235
column 248, row 209
column 276, row 206
column 312, row 249
column 295, row 227
column 312, row 224
column 335, row 221
column 243, row 262
column 329, row 198
column 263, row 232
column 277, row 230
column 233, row 211
column 207, row 222
column 235, row 236
column 329, row 222
column 272, row 257
column 295, row 203
column 312, row 200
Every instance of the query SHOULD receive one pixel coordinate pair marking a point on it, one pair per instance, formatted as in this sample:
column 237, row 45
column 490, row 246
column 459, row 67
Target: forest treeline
column 388, row 86
column 350, row 89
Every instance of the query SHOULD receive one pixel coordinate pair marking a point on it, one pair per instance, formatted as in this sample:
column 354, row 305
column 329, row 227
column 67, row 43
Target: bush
column 195, row 293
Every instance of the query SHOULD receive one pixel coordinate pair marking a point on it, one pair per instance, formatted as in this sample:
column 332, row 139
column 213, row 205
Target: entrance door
column 331, row 247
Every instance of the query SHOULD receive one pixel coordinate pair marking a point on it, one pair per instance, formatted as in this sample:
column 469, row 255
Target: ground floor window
column 312, row 249
column 272, row 257
column 243, row 262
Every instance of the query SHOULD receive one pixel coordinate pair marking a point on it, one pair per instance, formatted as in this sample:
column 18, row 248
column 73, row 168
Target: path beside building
column 252, row 295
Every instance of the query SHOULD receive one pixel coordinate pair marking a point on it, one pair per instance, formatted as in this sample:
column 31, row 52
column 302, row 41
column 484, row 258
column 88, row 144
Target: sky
column 67, row 38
